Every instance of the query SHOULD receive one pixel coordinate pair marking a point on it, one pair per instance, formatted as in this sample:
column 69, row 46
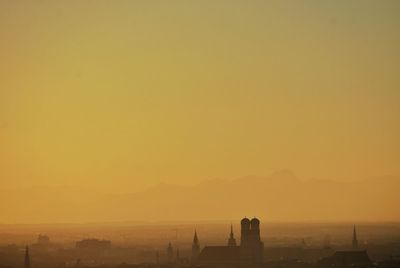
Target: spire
column 231, row 240
column 27, row 263
column 195, row 238
column 195, row 248
column 355, row 241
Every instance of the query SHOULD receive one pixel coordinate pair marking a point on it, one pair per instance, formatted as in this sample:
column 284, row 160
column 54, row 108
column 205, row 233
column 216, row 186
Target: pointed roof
column 231, row 240
column 231, row 236
column 195, row 238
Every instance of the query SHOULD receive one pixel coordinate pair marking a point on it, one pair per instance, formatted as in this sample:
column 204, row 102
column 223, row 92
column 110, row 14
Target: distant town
column 246, row 249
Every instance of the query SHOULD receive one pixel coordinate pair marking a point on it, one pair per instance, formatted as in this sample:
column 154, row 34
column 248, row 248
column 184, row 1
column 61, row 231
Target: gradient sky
column 121, row 95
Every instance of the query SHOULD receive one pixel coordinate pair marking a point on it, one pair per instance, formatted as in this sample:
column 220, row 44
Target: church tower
column 355, row 241
column 170, row 253
column 231, row 240
column 195, row 248
column 256, row 243
column 27, row 262
column 245, row 231
column 251, row 246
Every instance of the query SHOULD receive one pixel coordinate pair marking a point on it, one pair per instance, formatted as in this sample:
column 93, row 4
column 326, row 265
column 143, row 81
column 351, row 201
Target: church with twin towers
column 249, row 253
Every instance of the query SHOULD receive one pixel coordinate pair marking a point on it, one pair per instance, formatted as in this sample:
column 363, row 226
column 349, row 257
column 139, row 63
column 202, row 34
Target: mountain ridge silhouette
column 282, row 196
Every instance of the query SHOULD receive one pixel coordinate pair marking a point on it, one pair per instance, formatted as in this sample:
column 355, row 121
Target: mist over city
column 199, row 134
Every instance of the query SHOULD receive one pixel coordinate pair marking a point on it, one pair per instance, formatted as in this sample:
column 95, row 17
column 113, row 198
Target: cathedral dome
column 245, row 221
column 255, row 222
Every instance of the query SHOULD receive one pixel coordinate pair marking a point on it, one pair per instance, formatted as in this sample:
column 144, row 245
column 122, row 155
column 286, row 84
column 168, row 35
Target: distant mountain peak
column 284, row 174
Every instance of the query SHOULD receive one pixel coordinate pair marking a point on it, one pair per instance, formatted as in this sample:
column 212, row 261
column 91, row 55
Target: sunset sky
column 118, row 96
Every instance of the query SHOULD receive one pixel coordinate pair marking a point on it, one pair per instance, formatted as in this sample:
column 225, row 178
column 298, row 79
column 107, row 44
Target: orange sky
column 122, row 95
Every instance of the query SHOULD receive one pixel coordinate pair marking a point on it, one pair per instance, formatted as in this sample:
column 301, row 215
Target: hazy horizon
column 268, row 197
column 199, row 110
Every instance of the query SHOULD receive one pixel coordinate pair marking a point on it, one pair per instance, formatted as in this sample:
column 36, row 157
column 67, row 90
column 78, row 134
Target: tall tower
column 27, row 262
column 244, row 231
column 231, row 240
column 355, row 241
column 170, row 253
column 246, row 251
column 256, row 243
column 251, row 246
column 255, row 230
column 195, row 248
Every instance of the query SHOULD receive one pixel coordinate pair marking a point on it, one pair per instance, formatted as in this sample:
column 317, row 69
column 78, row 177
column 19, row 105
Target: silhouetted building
column 43, row 240
column 231, row 240
column 355, row 241
column 220, row 256
column 251, row 246
column 195, row 248
column 343, row 259
column 249, row 254
column 170, row 253
column 27, row 261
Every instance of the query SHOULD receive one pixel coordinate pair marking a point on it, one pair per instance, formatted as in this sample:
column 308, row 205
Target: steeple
column 355, row 242
column 231, row 240
column 27, row 263
column 195, row 238
column 195, row 248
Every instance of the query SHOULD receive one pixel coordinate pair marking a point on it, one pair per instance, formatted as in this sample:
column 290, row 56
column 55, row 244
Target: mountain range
column 281, row 196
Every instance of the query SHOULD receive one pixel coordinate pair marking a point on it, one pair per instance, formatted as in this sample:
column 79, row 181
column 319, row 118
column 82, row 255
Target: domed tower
column 251, row 246
column 255, row 229
column 256, row 243
column 245, row 244
column 245, row 231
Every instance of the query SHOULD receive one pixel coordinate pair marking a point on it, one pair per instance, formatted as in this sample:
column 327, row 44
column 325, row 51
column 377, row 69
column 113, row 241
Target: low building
column 351, row 258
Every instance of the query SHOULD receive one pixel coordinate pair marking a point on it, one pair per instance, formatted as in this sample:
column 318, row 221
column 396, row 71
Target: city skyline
column 199, row 134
